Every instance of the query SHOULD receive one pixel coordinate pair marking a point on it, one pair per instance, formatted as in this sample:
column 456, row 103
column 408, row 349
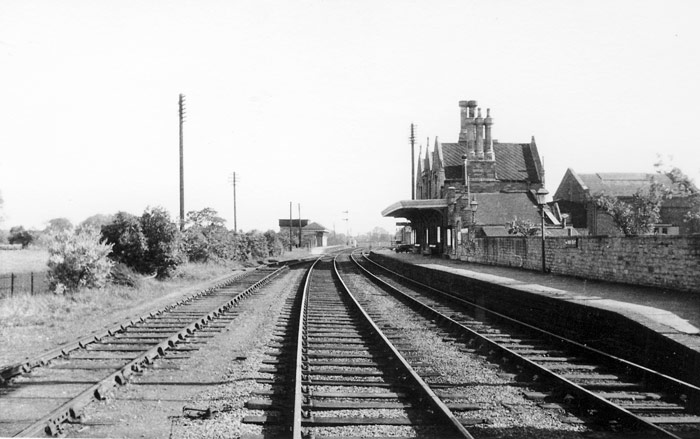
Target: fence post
column 31, row 288
column 12, row 283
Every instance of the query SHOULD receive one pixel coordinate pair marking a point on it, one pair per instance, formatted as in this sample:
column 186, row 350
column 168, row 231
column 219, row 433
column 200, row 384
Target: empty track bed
column 595, row 386
column 332, row 372
column 37, row 396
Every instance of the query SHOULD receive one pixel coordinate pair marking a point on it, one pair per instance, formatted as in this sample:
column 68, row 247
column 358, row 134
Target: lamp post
column 473, row 205
column 466, row 176
column 541, row 195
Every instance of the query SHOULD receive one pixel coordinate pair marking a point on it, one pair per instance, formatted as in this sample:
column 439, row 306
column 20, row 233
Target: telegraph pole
column 290, row 226
column 181, row 106
column 234, row 179
column 299, row 209
column 235, row 219
column 413, row 164
column 347, row 226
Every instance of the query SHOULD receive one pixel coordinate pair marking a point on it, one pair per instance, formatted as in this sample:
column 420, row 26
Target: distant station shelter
column 472, row 188
column 305, row 234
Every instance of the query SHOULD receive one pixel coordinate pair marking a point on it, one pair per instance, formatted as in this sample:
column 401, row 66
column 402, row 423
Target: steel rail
column 690, row 390
column 299, row 393
column 418, row 383
column 579, row 390
column 9, row 371
column 50, row 423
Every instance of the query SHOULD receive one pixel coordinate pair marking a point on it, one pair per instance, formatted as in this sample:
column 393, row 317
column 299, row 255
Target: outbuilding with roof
column 577, row 193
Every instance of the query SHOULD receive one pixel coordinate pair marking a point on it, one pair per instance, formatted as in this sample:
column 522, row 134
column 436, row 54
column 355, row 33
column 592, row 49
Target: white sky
column 311, row 101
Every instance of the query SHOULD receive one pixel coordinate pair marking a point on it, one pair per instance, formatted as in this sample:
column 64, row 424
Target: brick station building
column 499, row 179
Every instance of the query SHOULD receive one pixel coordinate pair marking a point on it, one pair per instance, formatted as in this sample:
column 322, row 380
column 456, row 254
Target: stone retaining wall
column 659, row 261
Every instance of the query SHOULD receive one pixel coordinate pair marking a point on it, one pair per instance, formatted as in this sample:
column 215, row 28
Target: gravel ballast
column 505, row 410
column 220, row 377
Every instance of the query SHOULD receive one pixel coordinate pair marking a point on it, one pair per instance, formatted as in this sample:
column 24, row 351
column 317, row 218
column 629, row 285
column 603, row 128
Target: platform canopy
column 409, row 208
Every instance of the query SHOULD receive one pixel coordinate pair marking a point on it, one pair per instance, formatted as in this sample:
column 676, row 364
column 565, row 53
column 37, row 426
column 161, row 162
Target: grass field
column 23, row 261
column 30, row 324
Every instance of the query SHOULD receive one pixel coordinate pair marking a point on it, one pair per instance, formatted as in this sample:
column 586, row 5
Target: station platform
column 672, row 314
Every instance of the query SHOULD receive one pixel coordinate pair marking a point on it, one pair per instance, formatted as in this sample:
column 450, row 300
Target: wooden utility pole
column 181, row 106
column 347, row 226
column 413, row 164
column 234, row 179
column 235, row 214
column 290, row 226
column 299, row 209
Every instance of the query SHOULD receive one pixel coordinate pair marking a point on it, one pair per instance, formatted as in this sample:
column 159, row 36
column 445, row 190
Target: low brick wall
column 595, row 327
column 658, row 261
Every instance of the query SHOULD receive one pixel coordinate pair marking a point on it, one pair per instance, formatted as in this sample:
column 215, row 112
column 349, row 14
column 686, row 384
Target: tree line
column 102, row 246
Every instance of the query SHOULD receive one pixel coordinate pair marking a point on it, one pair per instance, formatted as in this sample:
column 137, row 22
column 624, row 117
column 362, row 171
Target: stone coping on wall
column 656, row 261
column 665, row 323
column 660, row 320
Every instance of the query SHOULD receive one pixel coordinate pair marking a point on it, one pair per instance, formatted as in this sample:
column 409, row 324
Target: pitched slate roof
column 619, row 184
column 452, row 154
column 514, row 161
column 498, row 208
column 314, row 227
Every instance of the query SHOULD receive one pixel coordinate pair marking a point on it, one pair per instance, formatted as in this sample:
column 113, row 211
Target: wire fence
column 23, row 283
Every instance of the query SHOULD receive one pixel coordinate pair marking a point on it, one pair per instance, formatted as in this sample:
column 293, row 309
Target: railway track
column 592, row 384
column 39, row 395
column 335, row 372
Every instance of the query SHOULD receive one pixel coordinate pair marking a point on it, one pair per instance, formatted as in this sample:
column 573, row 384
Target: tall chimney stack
column 489, row 141
column 479, row 125
column 463, row 115
column 471, row 130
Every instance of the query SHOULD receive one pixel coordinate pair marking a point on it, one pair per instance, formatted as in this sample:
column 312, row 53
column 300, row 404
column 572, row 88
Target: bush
column 211, row 243
column 252, row 246
column 206, row 239
column 638, row 215
column 148, row 244
column 122, row 274
column 78, row 259
column 274, row 245
column 128, row 241
column 162, row 254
